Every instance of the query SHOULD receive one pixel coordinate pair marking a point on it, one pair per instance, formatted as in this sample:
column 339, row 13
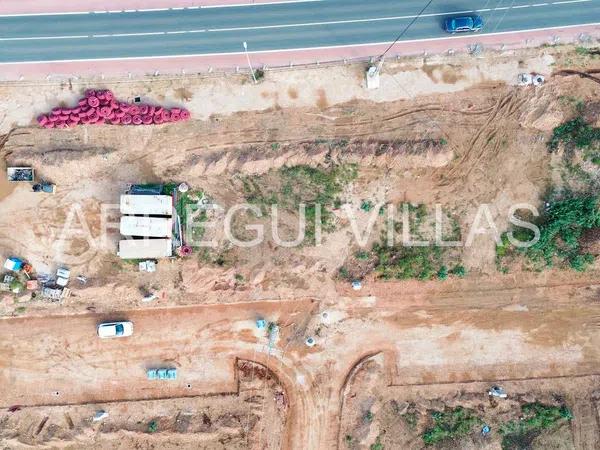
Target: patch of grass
column 450, row 424
column 368, row 417
column 366, row 205
column 153, row 426
column 560, row 229
column 537, row 417
column 377, row 445
column 20, row 309
column 458, row 270
column 404, row 263
column 344, row 273
column 348, row 439
column 442, row 273
column 362, row 255
column 575, row 133
column 314, row 187
column 239, row 277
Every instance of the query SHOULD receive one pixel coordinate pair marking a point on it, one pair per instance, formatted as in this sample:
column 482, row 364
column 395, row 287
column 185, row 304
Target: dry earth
column 460, row 135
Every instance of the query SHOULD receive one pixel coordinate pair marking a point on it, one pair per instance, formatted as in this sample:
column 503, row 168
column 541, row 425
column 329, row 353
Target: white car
column 115, row 329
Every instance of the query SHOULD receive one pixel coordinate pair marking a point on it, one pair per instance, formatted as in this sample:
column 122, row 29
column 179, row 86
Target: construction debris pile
column 21, row 276
column 101, row 107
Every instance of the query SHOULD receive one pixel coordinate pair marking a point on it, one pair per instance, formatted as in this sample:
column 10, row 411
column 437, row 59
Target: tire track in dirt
column 585, row 426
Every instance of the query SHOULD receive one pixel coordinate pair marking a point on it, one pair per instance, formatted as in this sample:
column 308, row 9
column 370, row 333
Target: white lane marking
column 570, row 1
column 150, row 33
column 283, row 2
column 520, row 6
column 190, row 55
column 235, row 5
column 35, row 38
column 539, row 4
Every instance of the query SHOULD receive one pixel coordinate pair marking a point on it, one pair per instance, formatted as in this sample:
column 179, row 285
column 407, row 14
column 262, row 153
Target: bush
column 560, row 230
column 450, row 424
column 362, row 255
column 442, row 274
column 517, row 434
column 404, row 263
column 153, row 426
column 575, row 133
column 459, row 271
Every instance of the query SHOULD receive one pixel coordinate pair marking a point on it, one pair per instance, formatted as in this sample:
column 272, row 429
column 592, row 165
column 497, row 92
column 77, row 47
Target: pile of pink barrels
column 100, row 107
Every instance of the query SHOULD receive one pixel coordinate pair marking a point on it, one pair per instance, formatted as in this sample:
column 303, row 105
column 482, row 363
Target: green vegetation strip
column 518, row 434
column 311, row 186
column 574, row 133
column 450, row 424
column 561, row 227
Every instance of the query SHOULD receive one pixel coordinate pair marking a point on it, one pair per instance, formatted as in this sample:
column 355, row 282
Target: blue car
column 460, row 24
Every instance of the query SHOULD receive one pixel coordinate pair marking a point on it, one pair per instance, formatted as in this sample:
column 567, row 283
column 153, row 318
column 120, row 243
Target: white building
column 146, row 226
column 147, row 205
column 145, row 248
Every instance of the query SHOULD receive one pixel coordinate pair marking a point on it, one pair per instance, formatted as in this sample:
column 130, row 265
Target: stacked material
column 101, row 107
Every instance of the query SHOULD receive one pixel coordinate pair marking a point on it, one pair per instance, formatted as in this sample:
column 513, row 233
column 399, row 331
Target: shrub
column 560, row 230
column 537, row 417
column 450, row 424
column 442, row 273
column 153, row 426
column 575, row 133
column 459, row 270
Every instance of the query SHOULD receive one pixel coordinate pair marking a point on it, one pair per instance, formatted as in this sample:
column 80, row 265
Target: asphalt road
column 269, row 27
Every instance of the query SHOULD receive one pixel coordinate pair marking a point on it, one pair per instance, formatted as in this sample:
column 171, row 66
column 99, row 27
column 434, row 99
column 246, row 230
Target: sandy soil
column 485, row 328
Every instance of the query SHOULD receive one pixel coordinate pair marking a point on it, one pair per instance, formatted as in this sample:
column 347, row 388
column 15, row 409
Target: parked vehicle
column 115, row 329
column 462, row 24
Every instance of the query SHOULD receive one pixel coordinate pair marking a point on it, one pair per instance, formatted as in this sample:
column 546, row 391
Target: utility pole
column 248, row 59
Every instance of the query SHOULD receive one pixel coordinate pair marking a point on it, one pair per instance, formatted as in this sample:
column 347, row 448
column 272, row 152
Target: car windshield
column 463, row 22
column 119, row 329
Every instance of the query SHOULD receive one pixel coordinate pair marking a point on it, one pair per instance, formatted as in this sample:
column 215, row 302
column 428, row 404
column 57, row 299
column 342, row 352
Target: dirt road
column 529, row 332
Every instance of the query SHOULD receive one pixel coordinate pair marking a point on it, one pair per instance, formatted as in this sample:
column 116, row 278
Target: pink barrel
column 137, row 119
column 56, row 111
column 175, row 116
column 42, row 119
column 126, row 119
column 90, row 93
column 93, row 102
column 147, row 119
column 185, row 114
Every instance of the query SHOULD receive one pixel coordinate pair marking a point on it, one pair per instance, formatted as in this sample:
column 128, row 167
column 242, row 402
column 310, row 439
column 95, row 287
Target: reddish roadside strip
column 179, row 65
column 18, row 7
